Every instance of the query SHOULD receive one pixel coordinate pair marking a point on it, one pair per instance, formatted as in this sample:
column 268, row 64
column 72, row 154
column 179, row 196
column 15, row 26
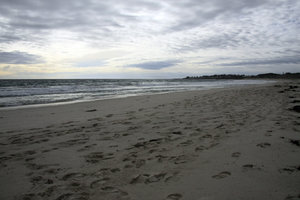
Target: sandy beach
column 233, row 143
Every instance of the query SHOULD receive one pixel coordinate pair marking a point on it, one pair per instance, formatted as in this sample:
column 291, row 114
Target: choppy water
column 29, row 92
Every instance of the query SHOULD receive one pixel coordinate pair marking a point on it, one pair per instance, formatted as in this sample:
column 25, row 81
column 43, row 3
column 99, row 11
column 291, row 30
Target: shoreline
column 228, row 143
column 57, row 111
column 116, row 96
column 124, row 96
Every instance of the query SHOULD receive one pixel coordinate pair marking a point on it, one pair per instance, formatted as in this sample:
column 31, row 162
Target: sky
column 147, row 38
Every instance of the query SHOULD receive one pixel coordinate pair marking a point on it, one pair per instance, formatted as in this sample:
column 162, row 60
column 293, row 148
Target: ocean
column 49, row 91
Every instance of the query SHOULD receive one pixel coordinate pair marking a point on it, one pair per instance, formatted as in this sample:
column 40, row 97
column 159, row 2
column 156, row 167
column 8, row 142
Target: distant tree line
column 242, row 76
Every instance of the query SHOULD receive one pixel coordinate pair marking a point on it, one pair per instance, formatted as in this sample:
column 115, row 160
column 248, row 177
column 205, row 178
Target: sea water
column 49, row 91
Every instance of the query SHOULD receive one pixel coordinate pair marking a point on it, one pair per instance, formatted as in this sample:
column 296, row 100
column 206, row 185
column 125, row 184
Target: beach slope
column 232, row 143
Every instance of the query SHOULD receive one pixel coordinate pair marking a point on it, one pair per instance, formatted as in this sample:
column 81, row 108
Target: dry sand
column 234, row 143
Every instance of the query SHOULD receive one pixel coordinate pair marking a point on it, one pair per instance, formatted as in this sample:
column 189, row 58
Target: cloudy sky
column 147, row 38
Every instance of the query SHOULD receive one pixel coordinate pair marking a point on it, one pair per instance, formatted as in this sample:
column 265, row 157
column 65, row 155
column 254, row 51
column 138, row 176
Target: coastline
column 39, row 112
column 37, row 93
column 228, row 143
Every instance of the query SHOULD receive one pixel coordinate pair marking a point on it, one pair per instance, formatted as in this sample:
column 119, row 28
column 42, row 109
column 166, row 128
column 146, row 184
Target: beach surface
column 233, row 143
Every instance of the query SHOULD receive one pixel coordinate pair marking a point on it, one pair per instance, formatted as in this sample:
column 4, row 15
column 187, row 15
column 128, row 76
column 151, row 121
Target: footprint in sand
column 200, row 148
column 263, row 145
column 99, row 182
column 86, row 147
column 290, row 197
column 128, row 166
column 186, row 143
column 36, row 180
column 161, row 158
column 140, row 178
column 250, row 167
column 96, row 157
column 222, row 175
column 175, row 196
column 115, row 170
column 295, row 101
column 110, row 189
column 295, row 142
column 139, row 163
column 236, row 154
column 72, row 175
column 290, row 169
column 172, row 177
column 179, row 159
column 49, row 191
column 109, row 115
column 155, row 178
column 72, row 142
column 296, row 109
column 52, row 171
column 115, row 193
column 92, row 110
column 177, row 132
column 147, row 178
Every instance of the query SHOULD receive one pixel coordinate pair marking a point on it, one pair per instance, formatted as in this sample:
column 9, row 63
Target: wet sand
column 233, row 143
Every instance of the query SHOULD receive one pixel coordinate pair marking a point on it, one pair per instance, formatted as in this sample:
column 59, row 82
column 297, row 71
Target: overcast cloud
column 17, row 57
column 116, row 36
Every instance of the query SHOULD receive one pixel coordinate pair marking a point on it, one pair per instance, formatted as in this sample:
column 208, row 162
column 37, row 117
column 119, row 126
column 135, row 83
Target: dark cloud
column 156, row 65
column 17, row 57
column 274, row 61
